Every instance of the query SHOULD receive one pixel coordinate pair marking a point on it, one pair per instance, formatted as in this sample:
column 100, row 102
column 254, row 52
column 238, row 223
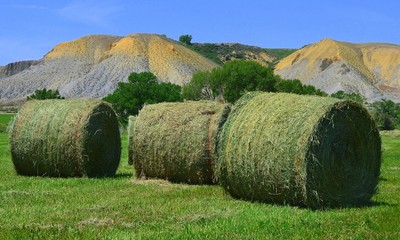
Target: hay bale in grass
column 308, row 151
column 177, row 141
column 131, row 131
column 66, row 138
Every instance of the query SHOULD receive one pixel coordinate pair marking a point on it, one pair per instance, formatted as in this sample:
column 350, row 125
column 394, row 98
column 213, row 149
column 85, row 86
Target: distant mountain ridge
column 370, row 69
column 92, row 65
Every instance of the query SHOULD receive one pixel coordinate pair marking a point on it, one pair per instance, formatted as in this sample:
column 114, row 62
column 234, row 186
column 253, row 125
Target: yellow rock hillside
column 371, row 69
column 92, row 66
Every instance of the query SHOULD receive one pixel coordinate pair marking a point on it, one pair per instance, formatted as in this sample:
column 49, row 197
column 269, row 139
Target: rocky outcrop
column 14, row 68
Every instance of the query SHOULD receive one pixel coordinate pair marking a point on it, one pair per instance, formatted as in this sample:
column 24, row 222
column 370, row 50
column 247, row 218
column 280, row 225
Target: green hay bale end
column 177, row 141
column 308, row 151
column 131, row 131
column 66, row 138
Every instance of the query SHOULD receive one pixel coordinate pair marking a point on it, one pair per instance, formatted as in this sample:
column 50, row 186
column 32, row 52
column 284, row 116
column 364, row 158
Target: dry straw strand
column 302, row 150
column 66, row 138
column 177, row 141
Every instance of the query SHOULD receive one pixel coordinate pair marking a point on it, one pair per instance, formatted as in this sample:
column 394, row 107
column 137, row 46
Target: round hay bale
column 308, row 151
column 178, row 141
column 131, row 130
column 66, row 138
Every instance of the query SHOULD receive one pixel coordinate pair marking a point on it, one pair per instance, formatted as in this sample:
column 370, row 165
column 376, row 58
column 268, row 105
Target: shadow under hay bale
column 178, row 141
column 66, row 138
column 302, row 150
column 131, row 131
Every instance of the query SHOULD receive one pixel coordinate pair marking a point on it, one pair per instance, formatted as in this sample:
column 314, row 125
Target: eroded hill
column 92, row 66
column 372, row 70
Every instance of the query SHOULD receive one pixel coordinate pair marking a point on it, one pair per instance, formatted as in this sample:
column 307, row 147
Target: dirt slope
column 371, row 69
column 91, row 66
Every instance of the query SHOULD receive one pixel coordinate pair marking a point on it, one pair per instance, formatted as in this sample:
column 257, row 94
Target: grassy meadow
column 127, row 208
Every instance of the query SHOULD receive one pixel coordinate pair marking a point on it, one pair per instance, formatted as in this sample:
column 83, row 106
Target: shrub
column 349, row 96
column 141, row 88
column 186, row 39
column 42, row 94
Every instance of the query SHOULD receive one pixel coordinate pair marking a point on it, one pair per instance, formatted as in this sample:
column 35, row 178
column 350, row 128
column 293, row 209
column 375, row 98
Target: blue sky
column 29, row 29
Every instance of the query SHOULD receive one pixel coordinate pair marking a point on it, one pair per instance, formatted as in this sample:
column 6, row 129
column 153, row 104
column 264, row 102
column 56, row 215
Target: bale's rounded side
column 131, row 132
column 66, row 138
column 177, row 141
column 302, row 150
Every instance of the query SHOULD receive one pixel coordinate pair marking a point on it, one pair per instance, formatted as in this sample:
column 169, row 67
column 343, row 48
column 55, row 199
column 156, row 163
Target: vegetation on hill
column 141, row 88
column 44, row 93
column 186, row 39
column 237, row 77
column 223, row 52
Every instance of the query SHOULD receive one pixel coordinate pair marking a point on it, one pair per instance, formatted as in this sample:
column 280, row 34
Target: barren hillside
column 91, row 66
column 372, row 69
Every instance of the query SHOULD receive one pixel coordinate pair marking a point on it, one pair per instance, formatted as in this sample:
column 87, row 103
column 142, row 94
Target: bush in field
column 295, row 86
column 44, row 93
column 349, row 96
column 141, row 88
column 386, row 114
column 199, row 87
column 236, row 78
column 230, row 82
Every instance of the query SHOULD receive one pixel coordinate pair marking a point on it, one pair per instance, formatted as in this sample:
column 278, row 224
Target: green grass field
column 126, row 208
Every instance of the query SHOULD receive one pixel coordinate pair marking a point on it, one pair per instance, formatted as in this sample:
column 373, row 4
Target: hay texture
column 66, row 138
column 177, row 141
column 308, row 151
column 131, row 131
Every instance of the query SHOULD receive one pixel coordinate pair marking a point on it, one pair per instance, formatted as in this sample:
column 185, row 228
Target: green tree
column 44, row 93
column 386, row 114
column 239, row 76
column 295, row 86
column 349, row 96
column 289, row 86
column 141, row 88
column 199, row 87
column 186, row 39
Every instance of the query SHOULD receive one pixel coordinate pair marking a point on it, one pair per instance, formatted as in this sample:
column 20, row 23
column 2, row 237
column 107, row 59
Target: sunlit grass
column 126, row 208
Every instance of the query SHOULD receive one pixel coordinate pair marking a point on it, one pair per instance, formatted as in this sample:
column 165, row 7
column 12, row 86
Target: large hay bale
column 177, row 141
column 66, row 138
column 301, row 150
column 131, row 131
